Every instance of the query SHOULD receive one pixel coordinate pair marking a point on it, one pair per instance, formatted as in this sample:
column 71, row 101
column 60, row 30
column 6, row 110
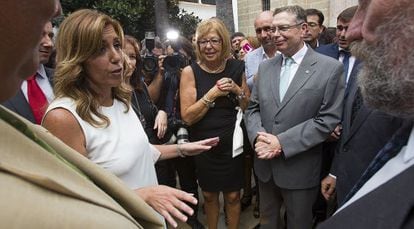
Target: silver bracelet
column 179, row 151
column 209, row 103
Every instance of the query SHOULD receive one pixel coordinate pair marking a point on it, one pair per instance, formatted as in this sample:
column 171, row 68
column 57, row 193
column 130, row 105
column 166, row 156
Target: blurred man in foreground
column 382, row 198
column 44, row 183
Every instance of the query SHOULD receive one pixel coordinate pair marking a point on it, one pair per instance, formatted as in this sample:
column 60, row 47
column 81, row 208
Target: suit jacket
column 332, row 50
column 40, row 191
column 310, row 110
column 19, row 103
column 391, row 205
column 359, row 142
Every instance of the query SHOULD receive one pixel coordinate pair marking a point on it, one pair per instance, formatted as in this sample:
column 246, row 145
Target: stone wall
column 248, row 9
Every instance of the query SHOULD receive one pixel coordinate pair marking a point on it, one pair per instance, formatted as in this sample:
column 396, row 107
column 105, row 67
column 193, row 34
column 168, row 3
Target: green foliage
column 186, row 23
column 136, row 16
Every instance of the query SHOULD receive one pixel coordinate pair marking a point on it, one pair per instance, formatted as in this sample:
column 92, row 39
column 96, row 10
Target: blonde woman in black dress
column 210, row 90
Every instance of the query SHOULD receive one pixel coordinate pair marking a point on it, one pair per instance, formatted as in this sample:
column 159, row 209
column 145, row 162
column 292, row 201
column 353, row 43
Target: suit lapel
column 275, row 78
column 21, row 106
column 349, row 100
column 352, row 78
column 348, row 111
column 360, row 117
column 303, row 74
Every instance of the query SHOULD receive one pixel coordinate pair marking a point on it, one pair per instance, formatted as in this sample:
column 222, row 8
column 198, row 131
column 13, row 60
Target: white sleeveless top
column 121, row 148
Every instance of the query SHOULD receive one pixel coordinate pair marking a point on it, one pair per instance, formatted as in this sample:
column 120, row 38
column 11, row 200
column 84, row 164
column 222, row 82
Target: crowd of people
column 323, row 126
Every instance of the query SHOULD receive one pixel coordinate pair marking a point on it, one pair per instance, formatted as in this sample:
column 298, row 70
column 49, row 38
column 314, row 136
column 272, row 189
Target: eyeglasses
column 313, row 24
column 212, row 41
column 285, row 28
column 340, row 28
column 267, row 29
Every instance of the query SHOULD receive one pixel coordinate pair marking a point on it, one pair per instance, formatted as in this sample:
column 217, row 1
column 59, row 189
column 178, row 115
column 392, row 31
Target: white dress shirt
column 402, row 161
column 43, row 82
column 350, row 65
column 298, row 57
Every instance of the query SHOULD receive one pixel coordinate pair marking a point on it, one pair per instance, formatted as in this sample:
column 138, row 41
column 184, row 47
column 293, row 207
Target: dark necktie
column 37, row 99
column 392, row 148
column 345, row 61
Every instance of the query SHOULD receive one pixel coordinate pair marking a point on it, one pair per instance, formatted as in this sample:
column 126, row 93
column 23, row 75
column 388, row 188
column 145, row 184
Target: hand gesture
column 216, row 92
column 169, row 202
column 227, row 84
column 336, row 134
column 161, row 123
column 194, row 148
column 267, row 146
column 328, row 185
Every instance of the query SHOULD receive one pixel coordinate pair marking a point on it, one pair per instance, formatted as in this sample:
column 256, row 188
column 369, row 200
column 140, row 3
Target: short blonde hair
column 79, row 39
column 213, row 25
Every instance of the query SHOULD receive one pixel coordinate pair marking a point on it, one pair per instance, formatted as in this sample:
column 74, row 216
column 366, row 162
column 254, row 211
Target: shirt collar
column 298, row 57
column 342, row 49
column 409, row 150
column 41, row 71
column 264, row 55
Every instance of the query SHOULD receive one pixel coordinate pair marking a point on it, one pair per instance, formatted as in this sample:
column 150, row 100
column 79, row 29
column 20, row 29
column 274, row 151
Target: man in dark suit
column 340, row 51
column 296, row 104
column 359, row 122
column 382, row 197
column 21, row 103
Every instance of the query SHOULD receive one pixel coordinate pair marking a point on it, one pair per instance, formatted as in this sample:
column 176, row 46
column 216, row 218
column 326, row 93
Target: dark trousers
column 166, row 173
column 186, row 171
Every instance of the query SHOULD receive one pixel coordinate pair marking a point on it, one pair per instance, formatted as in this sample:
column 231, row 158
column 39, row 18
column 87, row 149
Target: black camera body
column 150, row 63
column 171, row 63
column 175, row 62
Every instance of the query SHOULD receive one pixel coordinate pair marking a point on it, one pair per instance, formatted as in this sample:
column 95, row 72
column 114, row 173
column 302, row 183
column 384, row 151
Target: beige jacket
column 37, row 190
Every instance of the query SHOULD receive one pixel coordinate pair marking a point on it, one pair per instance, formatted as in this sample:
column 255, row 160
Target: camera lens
column 182, row 135
column 150, row 64
column 172, row 63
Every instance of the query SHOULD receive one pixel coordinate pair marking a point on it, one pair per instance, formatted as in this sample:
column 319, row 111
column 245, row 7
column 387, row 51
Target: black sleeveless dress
column 216, row 169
